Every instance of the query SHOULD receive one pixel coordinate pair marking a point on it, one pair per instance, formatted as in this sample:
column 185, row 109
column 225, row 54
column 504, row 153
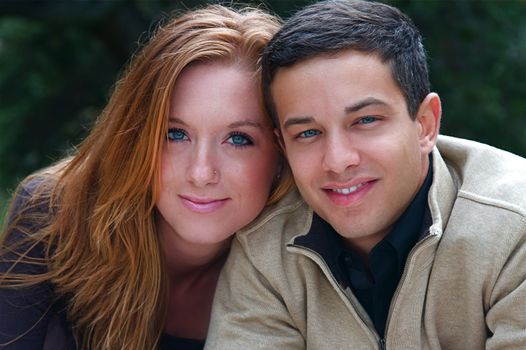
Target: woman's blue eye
column 239, row 140
column 309, row 133
column 176, row 135
column 367, row 120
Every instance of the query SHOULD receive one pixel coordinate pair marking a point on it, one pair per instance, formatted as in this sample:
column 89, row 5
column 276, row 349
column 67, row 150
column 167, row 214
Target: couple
column 394, row 238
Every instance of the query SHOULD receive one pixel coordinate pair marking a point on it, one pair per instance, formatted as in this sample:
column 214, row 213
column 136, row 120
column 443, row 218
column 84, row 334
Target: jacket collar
column 442, row 194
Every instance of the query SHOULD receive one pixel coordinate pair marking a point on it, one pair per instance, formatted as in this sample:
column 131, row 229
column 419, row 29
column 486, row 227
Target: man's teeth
column 347, row 190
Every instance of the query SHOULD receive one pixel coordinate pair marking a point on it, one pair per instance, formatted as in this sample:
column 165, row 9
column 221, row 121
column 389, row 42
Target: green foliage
column 477, row 66
column 53, row 82
column 58, row 61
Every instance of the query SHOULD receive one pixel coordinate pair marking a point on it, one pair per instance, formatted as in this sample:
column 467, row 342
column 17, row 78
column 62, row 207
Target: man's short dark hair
column 334, row 25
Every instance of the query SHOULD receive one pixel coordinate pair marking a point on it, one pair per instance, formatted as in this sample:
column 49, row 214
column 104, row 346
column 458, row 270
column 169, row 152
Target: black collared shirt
column 374, row 287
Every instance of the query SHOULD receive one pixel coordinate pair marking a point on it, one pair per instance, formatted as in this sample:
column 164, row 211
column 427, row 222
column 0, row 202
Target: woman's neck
column 193, row 271
column 184, row 258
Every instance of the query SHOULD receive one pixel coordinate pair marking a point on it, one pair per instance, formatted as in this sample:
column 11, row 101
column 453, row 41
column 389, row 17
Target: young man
column 407, row 240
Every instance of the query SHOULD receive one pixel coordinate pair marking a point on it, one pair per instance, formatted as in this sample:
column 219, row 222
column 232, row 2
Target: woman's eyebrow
column 244, row 123
column 176, row 120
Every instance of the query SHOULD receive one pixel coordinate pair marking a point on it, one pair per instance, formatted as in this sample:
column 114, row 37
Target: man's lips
column 349, row 190
column 345, row 194
column 202, row 205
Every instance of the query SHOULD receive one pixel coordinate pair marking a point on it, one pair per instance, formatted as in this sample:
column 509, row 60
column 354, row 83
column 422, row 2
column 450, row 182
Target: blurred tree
column 59, row 59
column 476, row 53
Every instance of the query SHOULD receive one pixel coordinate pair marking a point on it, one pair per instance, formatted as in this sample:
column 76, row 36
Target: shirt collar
column 406, row 231
column 395, row 247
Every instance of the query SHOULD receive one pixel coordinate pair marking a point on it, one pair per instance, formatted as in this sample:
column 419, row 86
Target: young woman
column 120, row 245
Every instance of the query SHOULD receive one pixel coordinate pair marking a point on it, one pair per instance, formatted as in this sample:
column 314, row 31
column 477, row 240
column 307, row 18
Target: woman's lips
column 200, row 205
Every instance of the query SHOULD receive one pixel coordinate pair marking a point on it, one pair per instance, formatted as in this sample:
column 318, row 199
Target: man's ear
column 428, row 118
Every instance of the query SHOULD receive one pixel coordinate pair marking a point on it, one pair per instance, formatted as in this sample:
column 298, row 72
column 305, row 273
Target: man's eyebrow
column 364, row 103
column 298, row 120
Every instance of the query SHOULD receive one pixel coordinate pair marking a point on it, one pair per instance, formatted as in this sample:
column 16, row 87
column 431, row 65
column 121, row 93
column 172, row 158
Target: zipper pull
column 382, row 344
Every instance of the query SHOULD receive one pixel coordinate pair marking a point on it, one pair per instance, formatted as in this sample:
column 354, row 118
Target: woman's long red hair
column 102, row 247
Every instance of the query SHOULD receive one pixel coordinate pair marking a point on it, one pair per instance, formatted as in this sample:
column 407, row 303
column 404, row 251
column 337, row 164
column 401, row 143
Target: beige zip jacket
column 464, row 284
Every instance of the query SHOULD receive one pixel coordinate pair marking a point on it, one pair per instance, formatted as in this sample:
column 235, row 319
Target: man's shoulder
column 486, row 174
column 488, row 213
column 458, row 147
column 277, row 225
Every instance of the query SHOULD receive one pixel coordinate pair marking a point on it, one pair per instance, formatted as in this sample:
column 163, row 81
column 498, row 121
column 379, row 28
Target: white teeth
column 347, row 190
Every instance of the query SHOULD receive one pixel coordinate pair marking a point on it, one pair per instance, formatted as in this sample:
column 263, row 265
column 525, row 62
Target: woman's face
column 219, row 159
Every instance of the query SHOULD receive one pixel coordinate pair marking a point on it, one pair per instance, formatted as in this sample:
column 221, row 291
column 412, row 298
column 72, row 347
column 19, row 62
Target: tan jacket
column 464, row 284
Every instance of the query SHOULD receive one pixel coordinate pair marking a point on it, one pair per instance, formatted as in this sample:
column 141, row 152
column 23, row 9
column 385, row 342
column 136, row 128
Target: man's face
column 357, row 157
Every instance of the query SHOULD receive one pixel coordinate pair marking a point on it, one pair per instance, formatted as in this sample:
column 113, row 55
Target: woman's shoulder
column 27, row 214
column 28, row 304
column 34, row 194
column 29, row 211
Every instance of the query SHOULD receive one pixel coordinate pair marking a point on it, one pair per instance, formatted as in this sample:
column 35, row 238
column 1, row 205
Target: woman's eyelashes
column 239, row 139
column 176, row 135
column 236, row 139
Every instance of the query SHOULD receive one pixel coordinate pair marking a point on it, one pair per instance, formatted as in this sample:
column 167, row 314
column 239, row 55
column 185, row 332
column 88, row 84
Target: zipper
column 319, row 260
column 313, row 255
column 408, row 266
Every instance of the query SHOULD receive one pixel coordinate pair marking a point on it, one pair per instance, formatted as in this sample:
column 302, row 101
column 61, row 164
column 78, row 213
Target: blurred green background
column 59, row 59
